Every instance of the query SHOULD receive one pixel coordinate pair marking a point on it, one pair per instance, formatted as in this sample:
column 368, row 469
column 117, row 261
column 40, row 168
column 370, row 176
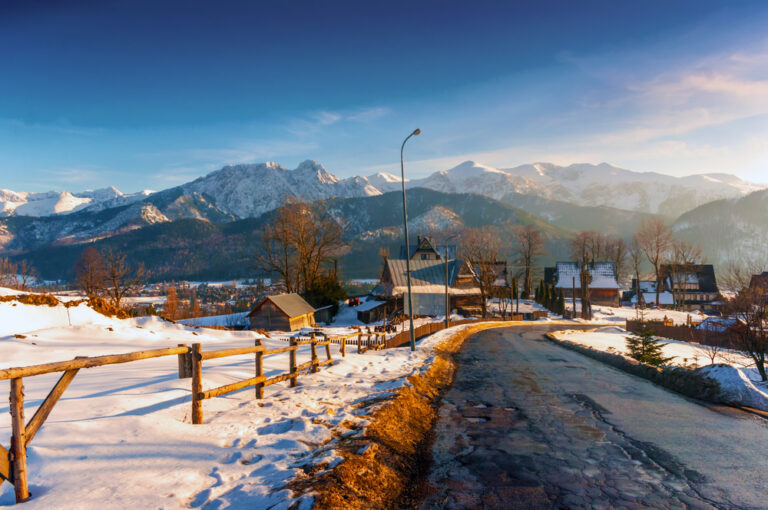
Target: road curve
column 529, row 424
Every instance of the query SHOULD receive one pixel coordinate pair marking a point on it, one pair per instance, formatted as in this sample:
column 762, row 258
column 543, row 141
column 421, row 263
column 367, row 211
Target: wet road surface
column 529, row 424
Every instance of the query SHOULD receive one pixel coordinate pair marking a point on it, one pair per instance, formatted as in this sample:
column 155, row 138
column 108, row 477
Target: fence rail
column 13, row 461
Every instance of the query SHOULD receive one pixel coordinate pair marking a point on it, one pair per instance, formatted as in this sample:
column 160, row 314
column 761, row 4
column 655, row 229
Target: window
column 424, row 256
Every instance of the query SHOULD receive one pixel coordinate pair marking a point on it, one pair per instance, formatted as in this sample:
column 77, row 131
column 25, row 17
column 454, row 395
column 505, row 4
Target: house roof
column 759, row 280
column 427, row 277
column 369, row 305
column 292, row 305
column 703, row 274
column 427, row 245
column 603, row 275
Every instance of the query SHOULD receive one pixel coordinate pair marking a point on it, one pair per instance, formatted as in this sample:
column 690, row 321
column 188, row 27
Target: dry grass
column 388, row 466
column 101, row 305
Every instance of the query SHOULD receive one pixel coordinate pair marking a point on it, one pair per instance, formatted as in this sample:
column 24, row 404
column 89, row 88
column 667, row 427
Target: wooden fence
column 683, row 333
column 13, row 462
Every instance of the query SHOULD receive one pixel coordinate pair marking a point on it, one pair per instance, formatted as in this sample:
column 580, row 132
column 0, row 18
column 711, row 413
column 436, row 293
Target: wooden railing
column 13, row 462
column 364, row 340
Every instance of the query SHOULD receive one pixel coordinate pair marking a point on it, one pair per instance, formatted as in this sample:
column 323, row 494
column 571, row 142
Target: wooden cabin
column 282, row 312
column 603, row 286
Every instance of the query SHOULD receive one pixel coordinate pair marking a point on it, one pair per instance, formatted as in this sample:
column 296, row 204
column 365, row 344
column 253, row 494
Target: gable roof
column 603, row 275
column 427, row 277
column 704, row 274
column 425, row 244
column 292, row 305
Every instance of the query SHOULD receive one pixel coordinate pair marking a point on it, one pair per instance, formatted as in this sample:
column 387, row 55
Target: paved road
column 528, row 424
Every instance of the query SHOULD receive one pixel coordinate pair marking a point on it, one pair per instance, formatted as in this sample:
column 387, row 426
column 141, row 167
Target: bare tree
column 585, row 249
column 749, row 307
column 171, row 306
column 616, row 251
column 481, row 250
column 121, row 278
column 654, row 239
column 300, row 238
column 91, row 272
column 636, row 262
column 530, row 246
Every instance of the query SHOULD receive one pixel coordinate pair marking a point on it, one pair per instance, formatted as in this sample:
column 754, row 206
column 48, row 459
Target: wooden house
column 603, row 287
column 428, row 278
column 283, row 312
column 693, row 286
column 371, row 311
column 425, row 249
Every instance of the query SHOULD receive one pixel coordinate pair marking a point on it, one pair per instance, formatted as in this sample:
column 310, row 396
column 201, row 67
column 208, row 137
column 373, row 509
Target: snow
column 369, row 305
column 228, row 320
column 121, row 435
column 619, row 315
column 665, row 298
column 61, row 202
column 737, row 377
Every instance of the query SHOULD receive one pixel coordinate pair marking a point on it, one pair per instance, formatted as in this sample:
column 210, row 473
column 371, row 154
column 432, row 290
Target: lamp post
column 447, row 299
column 407, row 244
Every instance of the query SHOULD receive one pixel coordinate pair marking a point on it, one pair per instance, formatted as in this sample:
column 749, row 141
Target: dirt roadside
column 387, row 464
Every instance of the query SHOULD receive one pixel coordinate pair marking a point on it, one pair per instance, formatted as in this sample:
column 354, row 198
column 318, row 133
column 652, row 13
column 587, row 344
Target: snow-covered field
column 121, row 436
column 619, row 315
column 734, row 371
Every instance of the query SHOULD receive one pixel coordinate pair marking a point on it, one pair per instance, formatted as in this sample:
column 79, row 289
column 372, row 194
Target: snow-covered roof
column 717, row 324
column 369, row 305
column 603, row 275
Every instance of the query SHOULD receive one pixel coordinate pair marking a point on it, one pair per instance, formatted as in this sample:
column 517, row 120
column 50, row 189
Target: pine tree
column 645, row 348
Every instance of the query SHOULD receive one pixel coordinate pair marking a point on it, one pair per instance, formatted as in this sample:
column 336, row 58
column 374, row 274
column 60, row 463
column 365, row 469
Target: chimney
column 418, row 240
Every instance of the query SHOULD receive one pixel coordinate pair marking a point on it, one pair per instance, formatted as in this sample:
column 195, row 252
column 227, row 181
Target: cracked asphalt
column 529, row 424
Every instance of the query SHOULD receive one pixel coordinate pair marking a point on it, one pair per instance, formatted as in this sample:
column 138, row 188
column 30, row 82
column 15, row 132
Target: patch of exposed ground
column 386, row 464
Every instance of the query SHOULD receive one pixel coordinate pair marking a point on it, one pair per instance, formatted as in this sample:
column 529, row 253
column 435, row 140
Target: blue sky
column 146, row 95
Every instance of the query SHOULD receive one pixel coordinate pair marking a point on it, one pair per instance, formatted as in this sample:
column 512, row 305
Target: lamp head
column 418, row 131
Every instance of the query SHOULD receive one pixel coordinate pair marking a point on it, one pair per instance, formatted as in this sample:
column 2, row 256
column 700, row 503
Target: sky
column 148, row 95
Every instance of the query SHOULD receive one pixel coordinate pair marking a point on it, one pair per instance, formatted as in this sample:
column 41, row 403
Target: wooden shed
column 284, row 312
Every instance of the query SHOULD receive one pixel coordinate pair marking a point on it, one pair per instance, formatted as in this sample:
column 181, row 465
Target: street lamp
column 447, row 299
column 407, row 244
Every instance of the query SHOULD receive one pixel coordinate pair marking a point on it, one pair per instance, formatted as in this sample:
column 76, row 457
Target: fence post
column 343, row 347
column 313, row 345
column 292, row 364
column 185, row 365
column 328, row 349
column 359, row 342
column 197, row 384
column 259, row 369
column 18, row 441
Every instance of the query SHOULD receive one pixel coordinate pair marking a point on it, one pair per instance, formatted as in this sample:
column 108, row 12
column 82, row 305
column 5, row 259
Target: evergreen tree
column 645, row 348
column 326, row 290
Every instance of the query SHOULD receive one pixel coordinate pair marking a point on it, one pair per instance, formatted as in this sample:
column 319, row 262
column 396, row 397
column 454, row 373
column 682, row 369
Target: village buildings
column 603, row 287
column 429, row 272
column 284, row 312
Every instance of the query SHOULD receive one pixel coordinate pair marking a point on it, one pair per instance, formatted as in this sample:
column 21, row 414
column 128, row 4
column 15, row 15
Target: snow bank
column 736, row 387
column 741, row 384
column 121, row 435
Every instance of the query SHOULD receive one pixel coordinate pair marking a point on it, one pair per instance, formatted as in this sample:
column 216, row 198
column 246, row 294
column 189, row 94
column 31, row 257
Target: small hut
column 284, row 312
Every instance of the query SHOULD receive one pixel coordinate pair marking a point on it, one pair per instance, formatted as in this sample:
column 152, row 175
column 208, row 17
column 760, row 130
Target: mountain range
column 558, row 199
